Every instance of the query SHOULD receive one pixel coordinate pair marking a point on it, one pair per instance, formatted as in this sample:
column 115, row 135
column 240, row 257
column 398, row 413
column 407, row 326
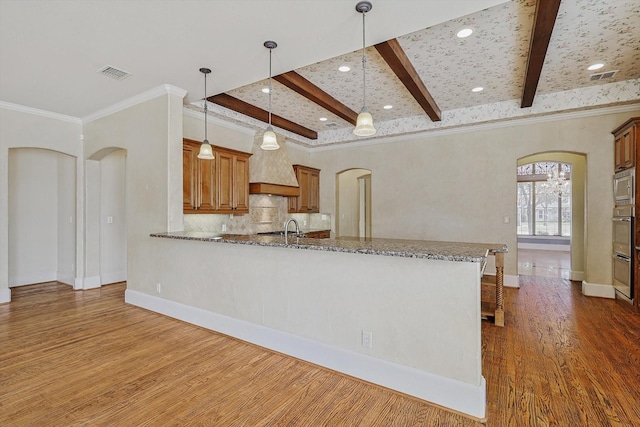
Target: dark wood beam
column 544, row 20
column 394, row 55
column 250, row 110
column 304, row 87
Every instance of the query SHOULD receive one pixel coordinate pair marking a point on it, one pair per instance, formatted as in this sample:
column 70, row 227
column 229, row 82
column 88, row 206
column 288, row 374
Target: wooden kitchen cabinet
column 309, row 182
column 322, row 234
column 214, row 186
column 232, row 176
column 625, row 143
column 198, row 180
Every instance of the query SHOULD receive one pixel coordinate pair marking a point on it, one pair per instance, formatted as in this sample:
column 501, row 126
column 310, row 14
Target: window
column 541, row 211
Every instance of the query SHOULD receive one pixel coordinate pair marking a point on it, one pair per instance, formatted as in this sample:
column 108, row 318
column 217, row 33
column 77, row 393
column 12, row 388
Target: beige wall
column 460, row 186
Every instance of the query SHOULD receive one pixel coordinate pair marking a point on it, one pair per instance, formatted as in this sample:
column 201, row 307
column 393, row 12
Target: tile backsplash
column 266, row 213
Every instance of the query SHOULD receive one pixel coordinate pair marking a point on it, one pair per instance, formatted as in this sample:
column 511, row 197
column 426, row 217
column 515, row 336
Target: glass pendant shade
column 269, row 140
column 364, row 124
column 206, row 152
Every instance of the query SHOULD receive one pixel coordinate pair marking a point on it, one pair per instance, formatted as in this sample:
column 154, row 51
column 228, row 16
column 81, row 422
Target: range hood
column 271, row 172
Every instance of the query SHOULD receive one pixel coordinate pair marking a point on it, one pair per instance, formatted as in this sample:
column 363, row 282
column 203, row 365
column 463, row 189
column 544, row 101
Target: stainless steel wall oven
column 623, row 218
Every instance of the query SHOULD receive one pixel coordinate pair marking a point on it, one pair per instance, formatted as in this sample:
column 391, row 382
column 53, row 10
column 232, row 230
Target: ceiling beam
column 394, row 55
column 544, row 20
column 304, row 87
column 247, row 109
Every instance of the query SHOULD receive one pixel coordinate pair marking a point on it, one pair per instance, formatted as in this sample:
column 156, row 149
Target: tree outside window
column 540, row 211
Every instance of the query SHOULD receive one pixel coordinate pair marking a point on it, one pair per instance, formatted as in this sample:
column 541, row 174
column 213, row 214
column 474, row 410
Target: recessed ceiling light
column 323, row 119
column 465, row 32
column 265, row 90
column 344, row 68
column 477, row 89
column 388, row 107
column 595, row 66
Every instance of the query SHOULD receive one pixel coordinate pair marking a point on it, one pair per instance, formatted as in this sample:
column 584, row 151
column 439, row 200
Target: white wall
column 66, row 269
column 459, row 186
column 113, row 232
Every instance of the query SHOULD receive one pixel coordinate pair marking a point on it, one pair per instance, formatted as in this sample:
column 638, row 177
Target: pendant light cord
column 364, row 66
column 205, row 108
column 270, row 88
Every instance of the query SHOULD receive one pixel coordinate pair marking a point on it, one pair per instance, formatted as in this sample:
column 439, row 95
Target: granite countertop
column 447, row 251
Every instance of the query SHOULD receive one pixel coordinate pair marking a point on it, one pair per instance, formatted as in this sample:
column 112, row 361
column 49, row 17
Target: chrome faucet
column 286, row 230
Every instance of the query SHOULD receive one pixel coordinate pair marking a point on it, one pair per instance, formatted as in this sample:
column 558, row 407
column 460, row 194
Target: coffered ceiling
column 50, row 52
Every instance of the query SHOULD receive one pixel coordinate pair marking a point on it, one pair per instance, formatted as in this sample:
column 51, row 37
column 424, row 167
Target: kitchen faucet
column 286, row 230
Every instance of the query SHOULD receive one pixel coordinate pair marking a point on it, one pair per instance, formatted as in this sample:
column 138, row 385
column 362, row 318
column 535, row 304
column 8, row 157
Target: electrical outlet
column 506, row 220
column 224, row 227
column 109, row 220
column 305, row 223
column 158, row 288
column 367, row 339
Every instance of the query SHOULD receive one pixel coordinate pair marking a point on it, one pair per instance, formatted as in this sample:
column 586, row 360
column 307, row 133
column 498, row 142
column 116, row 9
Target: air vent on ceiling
column 602, row 76
column 113, row 72
column 331, row 125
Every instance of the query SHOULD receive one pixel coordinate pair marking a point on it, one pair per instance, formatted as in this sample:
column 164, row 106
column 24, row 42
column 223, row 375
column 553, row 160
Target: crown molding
column 215, row 120
column 135, row 100
column 41, row 113
column 508, row 122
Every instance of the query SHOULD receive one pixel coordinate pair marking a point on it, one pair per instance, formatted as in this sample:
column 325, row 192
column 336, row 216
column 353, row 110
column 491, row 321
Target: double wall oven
column 623, row 233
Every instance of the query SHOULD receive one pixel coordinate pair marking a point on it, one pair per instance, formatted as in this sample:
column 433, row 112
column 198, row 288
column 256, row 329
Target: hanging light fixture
column 364, row 123
column 269, row 140
column 206, row 151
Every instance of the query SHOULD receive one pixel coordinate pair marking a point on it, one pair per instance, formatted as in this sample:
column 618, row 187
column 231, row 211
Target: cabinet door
column 293, row 204
column 224, row 177
column 628, row 147
column 314, row 190
column 241, row 184
column 617, row 153
column 303, row 182
column 207, row 196
column 189, row 178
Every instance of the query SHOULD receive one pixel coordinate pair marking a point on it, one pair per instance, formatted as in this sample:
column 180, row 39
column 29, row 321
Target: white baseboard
column 576, row 275
column 510, row 281
column 443, row 391
column 115, row 277
column 89, row 283
column 5, row 295
column 597, row 290
column 31, row 278
column 68, row 278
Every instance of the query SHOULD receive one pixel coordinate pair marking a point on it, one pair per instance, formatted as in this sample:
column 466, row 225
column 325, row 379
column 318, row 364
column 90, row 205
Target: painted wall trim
column 482, row 126
column 457, row 395
column 510, row 280
column 32, row 278
column 576, row 275
column 91, row 282
column 598, row 290
column 5, row 295
column 41, row 113
column 134, row 100
column 215, row 120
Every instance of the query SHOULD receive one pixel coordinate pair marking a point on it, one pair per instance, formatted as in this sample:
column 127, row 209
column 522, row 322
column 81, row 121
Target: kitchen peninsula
column 400, row 313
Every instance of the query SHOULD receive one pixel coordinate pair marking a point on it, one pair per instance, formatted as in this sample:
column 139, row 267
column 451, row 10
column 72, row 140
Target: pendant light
column 364, row 123
column 206, row 151
column 269, row 140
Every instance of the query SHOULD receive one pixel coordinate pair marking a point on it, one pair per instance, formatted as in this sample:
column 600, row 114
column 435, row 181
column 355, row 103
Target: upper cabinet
column 309, row 199
column 625, row 144
column 232, row 181
column 214, row 186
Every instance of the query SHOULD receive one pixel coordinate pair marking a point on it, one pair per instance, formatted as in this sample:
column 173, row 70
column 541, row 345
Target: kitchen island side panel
column 424, row 314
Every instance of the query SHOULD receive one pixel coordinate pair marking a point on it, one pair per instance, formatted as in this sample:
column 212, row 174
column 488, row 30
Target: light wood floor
column 87, row 358
column 533, row 262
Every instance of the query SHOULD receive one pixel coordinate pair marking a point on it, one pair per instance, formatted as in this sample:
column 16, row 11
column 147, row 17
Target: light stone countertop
column 426, row 249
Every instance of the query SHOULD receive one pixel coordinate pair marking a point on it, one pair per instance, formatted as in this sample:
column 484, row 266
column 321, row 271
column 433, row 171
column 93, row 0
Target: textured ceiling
column 50, row 51
column 493, row 57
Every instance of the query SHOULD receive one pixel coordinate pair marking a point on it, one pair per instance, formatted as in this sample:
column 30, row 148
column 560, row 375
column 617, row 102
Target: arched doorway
column 106, row 225
column 353, row 203
column 551, row 227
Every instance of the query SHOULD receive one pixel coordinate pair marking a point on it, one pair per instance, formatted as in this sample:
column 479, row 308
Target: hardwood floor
column 534, row 262
column 87, row 358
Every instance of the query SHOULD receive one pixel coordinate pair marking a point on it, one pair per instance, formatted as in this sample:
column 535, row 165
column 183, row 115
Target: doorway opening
column 353, row 203
column 550, row 215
